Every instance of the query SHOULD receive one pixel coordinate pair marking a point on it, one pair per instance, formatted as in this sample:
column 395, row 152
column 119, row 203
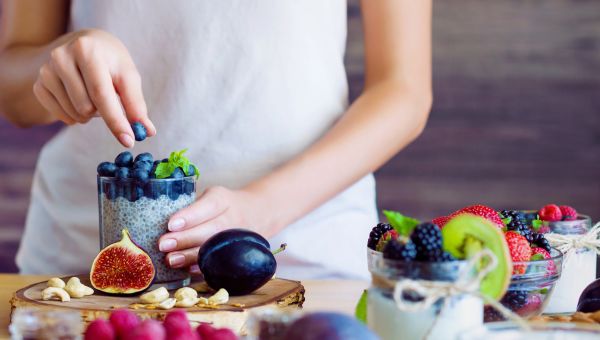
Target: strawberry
column 568, row 213
column 482, row 211
column 440, row 221
column 550, row 213
column 388, row 235
column 519, row 248
column 532, row 306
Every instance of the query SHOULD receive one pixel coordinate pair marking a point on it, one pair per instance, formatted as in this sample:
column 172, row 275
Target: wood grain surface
column 515, row 121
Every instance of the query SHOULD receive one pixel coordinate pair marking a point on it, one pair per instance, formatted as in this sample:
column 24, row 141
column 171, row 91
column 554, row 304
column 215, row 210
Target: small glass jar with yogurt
column 579, row 266
column 43, row 323
column 144, row 210
column 459, row 313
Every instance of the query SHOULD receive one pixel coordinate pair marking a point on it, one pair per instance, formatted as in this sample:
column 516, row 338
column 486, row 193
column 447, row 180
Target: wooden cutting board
column 280, row 294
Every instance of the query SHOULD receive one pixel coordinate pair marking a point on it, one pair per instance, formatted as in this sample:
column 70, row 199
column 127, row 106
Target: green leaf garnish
column 176, row 160
column 404, row 225
column 537, row 257
column 360, row 312
column 507, row 220
column 536, row 224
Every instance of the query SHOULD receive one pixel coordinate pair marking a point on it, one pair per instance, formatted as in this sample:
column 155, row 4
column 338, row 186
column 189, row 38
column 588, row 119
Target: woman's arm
column 390, row 113
column 47, row 74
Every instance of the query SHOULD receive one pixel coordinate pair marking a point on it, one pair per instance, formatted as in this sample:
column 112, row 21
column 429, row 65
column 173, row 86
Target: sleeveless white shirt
column 245, row 86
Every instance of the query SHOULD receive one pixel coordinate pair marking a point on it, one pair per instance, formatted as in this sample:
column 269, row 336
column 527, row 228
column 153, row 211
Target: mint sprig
column 176, row 160
column 404, row 225
column 360, row 311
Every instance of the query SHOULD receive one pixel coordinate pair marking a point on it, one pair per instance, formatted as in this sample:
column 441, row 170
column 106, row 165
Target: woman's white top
column 245, row 86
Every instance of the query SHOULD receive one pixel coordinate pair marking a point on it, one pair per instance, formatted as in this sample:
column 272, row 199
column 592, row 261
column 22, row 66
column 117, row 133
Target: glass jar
column 144, row 209
column 45, row 324
column 461, row 312
column 579, row 267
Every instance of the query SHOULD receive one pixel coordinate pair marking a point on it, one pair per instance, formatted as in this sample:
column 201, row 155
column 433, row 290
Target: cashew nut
column 56, row 282
column 187, row 302
column 203, row 301
column 76, row 289
column 220, row 297
column 185, row 293
column 167, row 304
column 156, row 296
column 55, row 293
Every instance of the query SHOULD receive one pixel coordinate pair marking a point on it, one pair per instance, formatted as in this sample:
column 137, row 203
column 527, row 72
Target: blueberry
column 141, row 175
column 110, row 190
column 177, row 173
column 124, row 159
column 146, row 157
column 157, row 188
column 139, row 131
column 189, row 187
column 137, row 192
column 147, row 166
column 106, row 169
column 191, row 170
column 122, row 172
column 156, row 162
column 165, row 160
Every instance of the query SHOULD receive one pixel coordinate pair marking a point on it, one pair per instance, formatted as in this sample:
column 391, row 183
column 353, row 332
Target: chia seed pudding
column 145, row 211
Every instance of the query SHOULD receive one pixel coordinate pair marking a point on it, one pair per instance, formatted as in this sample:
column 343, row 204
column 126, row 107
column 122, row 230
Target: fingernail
column 126, row 140
column 176, row 224
column 167, row 245
column 176, row 260
column 194, row 269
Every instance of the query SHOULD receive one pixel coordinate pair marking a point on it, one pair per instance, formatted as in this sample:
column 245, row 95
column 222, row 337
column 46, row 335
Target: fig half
column 122, row 268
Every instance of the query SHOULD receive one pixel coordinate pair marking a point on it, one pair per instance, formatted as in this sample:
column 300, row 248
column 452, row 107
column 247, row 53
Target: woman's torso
column 244, row 85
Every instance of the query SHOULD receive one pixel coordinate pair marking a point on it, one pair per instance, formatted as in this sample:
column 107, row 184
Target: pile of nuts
column 592, row 318
column 59, row 290
column 184, row 297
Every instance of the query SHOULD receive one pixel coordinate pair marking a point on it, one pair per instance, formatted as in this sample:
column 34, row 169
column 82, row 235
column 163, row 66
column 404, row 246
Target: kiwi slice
column 465, row 235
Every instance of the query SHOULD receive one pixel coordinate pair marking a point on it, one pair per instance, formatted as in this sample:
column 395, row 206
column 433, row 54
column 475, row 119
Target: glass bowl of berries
column 531, row 284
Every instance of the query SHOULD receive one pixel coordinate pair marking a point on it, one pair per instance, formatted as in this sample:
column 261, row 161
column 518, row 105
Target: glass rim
column 115, row 179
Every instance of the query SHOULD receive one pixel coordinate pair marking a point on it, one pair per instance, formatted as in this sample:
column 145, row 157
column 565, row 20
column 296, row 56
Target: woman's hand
column 217, row 209
column 86, row 76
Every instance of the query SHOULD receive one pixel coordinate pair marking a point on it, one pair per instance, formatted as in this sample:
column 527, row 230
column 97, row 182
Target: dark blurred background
column 515, row 121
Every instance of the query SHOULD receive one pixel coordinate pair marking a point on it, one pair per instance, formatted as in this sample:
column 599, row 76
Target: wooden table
column 334, row 295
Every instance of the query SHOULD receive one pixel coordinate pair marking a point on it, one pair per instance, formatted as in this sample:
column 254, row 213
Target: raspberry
column 99, row 329
column 482, row 211
column 389, row 235
column 148, row 329
column 532, row 306
column 550, row 213
column 376, row 234
column 540, row 240
column 519, row 248
column 123, row 321
column 427, row 238
column 568, row 213
column 177, row 325
column 396, row 250
column 441, row 221
column 517, row 223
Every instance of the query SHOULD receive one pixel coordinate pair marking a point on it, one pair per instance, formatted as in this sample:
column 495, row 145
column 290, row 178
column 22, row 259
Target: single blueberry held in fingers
column 124, row 159
column 122, row 173
column 141, row 175
column 106, row 169
column 139, row 131
column 145, row 157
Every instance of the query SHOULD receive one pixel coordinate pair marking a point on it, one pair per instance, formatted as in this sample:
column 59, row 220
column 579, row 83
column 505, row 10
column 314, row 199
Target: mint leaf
column 404, row 225
column 196, row 171
column 536, row 224
column 360, row 312
column 164, row 170
column 507, row 220
column 537, row 257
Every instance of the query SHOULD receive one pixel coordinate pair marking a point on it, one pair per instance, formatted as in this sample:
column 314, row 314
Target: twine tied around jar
column 433, row 291
column 568, row 243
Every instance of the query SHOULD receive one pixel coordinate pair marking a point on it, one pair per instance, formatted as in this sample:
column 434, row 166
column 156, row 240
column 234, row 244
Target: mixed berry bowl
column 531, row 286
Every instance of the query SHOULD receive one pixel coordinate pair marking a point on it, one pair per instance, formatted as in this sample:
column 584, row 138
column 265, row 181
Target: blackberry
column 396, row 250
column 514, row 299
column 540, row 240
column 376, row 234
column 439, row 255
column 518, row 223
column 490, row 314
column 427, row 238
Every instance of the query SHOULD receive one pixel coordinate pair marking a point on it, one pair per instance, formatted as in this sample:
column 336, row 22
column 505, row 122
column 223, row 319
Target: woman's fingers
column 69, row 74
column 128, row 84
column 181, row 259
column 52, row 83
column 50, row 103
column 100, row 87
column 210, row 205
column 190, row 238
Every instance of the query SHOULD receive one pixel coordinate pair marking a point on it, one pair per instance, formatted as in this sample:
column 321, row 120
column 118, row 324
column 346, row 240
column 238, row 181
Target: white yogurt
column 462, row 313
column 579, row 270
